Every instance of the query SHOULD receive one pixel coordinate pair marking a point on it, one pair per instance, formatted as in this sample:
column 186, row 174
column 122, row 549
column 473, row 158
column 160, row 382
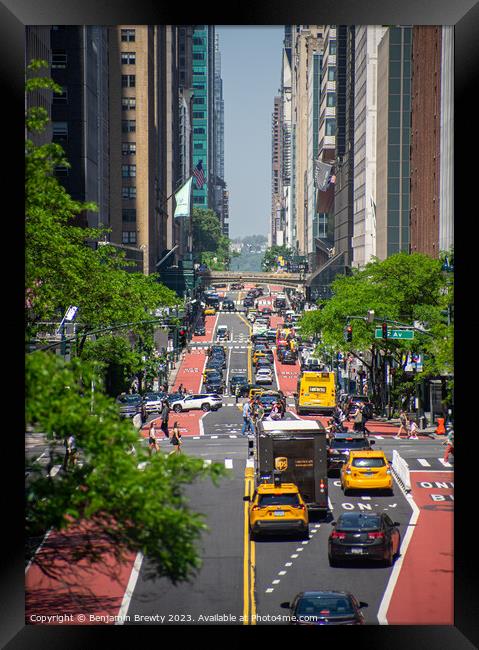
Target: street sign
column 395, row 334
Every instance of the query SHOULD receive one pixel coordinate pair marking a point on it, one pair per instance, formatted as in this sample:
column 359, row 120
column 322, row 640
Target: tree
column 130, row 509
column 403, row 288
column 270, row 259
column 208, row 238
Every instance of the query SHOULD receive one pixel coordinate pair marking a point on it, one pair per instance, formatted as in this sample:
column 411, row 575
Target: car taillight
column 301, row 507
column 321, row 485
column 336, row 535
column 348, row 470
column 255, row 508
column 379, row 535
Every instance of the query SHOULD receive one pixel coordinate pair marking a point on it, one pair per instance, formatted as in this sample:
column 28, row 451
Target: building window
column 199, row 145
column 197, row 41
column 199, row 86
column 128, row 35
column 128, row 80
column 198, row 56
column 60, row 131
column 330, row 99
column 331, row 73
column 129, row 215
column 128, row 171
column 128, row 58
column 128, row 148
column 59, row 59
column 332, row 47
column 128, row 192
column 199, row 131
column 199, row 116
column 128, row 126
column 198, row 100
column 330, row 127
column 61, row 98
column 198, row 199
column 128, row 103
column 129, row 236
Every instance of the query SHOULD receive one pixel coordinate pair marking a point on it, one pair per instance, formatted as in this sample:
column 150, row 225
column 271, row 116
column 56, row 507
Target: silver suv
column 205, row 402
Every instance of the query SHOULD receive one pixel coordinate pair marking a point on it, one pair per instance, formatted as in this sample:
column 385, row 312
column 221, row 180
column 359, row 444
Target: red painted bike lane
column 424, row 591
column 88, row 593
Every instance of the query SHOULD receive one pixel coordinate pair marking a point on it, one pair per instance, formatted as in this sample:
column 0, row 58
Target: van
column 316, row 392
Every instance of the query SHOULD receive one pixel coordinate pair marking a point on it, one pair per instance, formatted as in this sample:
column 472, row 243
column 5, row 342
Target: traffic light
column 182, row 337
column 348, row 333
column 384, row 327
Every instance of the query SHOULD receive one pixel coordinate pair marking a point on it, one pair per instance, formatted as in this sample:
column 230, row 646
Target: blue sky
column 251, row 69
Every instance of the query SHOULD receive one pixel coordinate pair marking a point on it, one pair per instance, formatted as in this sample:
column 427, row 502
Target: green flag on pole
column 183, row 199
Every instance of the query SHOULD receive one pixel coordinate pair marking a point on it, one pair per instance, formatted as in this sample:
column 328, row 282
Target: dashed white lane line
column 268, row 591
column 275, row 582
column 282, row 573
column 294, row 556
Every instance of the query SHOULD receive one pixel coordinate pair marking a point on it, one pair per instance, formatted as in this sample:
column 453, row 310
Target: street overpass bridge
column 291, row 280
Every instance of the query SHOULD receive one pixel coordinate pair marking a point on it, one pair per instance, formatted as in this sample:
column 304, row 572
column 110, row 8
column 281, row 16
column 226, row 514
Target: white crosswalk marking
column 423, row 462
column 444, row 462
column 229, row 463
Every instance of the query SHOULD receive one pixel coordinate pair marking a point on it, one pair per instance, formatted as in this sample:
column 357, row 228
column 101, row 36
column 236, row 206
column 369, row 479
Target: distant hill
column 246, row 262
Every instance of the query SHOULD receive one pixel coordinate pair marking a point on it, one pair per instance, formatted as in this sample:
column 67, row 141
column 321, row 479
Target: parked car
column 365, row 535
column 131, row 405
column 325, row 608
column 248, row 302
column 203, row 401
column 216, row 348
column 216, row 361
column 264, row 376
column 153, row 401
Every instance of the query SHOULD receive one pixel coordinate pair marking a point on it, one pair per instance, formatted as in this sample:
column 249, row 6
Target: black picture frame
column 14, row 15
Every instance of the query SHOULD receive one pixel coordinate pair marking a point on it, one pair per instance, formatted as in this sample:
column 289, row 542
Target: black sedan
column 237, row 380
column 214, row 385
column 288, row 358
column 342, row 443
column 325, row 608
column 248, row 302
column 228, row 305
column 200, row 330
column 370, row 536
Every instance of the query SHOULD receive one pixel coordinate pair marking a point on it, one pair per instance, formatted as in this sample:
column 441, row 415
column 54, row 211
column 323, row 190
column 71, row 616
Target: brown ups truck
column 294, row 451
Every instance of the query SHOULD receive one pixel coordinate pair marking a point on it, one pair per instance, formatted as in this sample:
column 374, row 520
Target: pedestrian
column 449, row 442
column 282, row 406
column 403, row 424
column 237, row 393
column 175, row 440
column 165, row 412
column 412, row 430
column 180, row 389
column 246, row 418
column 70, row 452
column 275, row 413
column 358, row 420
column 152, row 439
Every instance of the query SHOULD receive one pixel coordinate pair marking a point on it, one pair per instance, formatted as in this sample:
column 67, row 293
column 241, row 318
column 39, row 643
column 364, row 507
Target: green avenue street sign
column 395, row 334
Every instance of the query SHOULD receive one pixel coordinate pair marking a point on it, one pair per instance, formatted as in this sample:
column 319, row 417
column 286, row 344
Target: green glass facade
column 399, row 140
column 201, row 74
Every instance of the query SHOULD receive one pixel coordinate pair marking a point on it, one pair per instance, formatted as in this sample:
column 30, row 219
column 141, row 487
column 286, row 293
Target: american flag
column 199, row 175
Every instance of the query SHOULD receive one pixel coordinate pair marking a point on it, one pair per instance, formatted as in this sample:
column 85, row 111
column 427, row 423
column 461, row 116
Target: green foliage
column 131, row 509
column 208, row 238
column 270, row 259
column 403, row 288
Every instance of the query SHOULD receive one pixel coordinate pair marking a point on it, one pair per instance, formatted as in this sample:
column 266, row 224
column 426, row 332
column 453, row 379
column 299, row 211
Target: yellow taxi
column 209, row 311
column 258, row 355
column 206, row 371
column 277, row 509
column 366, row 470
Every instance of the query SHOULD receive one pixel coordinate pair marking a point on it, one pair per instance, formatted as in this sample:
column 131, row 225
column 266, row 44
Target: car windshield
column 239, row 380
column 351, row 443
column 154, row 396
column 129, row 399
column 355, row 520
column 325, row 606
column 285, row 499
column 368, row 462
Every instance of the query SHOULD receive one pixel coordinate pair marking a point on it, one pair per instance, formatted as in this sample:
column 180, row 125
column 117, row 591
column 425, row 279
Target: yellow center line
column 249, row 603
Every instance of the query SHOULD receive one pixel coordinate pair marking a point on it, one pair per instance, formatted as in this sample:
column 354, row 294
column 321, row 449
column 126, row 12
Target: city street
column 239, row 578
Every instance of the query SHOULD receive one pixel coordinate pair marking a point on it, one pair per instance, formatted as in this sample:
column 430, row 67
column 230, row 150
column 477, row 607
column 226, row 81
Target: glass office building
column 203, row 74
